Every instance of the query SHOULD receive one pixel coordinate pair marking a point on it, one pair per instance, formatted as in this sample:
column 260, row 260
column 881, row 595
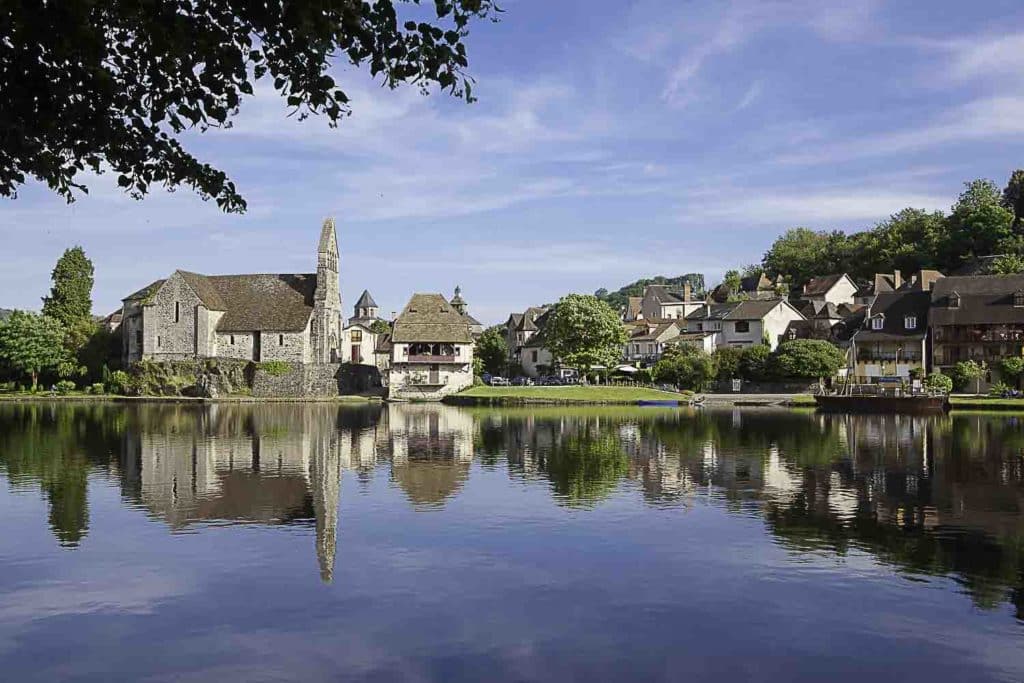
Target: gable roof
column 258, row 302
column 819, row 286
column 984, row 299
column 894, row 308
column 430, row 318
column 655, row 333
column 634, row 307
column 366, row 301
column 713, row 311
column 757, row 309
column 145, row 291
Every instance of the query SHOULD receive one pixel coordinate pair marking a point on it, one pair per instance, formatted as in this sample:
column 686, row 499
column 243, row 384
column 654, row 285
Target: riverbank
column 116, row 398
column 594, row 394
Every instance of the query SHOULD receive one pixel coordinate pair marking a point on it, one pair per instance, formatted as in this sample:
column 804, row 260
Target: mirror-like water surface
column 424, row 542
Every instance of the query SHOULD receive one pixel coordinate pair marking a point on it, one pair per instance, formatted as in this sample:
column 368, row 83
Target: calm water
column 428, row 543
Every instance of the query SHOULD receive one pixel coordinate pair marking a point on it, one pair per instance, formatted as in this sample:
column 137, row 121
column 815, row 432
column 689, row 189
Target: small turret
column 457, row 302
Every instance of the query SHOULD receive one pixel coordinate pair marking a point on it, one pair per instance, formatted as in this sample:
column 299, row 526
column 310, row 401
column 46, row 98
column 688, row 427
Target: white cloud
column 987, row 56
column 752, row 93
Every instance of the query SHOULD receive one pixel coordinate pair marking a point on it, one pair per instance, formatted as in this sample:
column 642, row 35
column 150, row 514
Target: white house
column 661, row 302
column 838, row 288
column 744, row 323
column 431, row 350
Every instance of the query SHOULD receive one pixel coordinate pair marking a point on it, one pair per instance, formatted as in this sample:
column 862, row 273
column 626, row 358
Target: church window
column 280, row 340
column 138, row 337
column 177, row 312
column 158, row 341
column 231, row 339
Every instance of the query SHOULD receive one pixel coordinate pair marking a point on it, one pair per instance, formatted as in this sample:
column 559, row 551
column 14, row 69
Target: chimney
column 687, row 291
column 897, row 279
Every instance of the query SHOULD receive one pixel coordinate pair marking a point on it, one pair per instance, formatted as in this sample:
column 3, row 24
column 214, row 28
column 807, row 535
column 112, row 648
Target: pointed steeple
column 328, row 237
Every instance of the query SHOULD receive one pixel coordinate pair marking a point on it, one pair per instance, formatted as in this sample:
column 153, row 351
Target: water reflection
column 930, row 496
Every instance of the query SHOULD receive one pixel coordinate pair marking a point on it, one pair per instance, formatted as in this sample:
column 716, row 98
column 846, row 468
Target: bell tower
column 325, row 330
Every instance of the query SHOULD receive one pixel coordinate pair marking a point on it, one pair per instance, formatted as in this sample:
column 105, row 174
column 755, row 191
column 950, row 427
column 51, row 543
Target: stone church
column 294, row 317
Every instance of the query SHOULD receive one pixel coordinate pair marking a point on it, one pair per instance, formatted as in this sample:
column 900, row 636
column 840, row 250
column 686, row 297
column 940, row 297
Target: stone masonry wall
column 164, row 337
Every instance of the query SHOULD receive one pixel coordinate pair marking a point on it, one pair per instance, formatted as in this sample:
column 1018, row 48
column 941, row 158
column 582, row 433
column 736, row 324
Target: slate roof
column 366, row 301
column 817, row 286
column 823, row 310
column 713, row 311
column 984, row 300
column 634, row 307
column 383, row 344
column 430, row 318
column 649, row 334
column 895, row 307
column 145, row 291
column 274, row 302
column 754, row 310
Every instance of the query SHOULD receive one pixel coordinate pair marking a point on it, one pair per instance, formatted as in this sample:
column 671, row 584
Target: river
column 318, row 542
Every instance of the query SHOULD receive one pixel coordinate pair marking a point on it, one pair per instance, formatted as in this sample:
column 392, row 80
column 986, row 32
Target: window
column 158, row 341
column 533, row 355
column 138, row 337
column 743, row 326
column 1018, row 298
column 177, row 312
column 700, row 327
column 458, row 351
column 280, row 340
column 357, row 336
column 231, row 340
column 910, row 322
column 954, row 300
column 876, row 323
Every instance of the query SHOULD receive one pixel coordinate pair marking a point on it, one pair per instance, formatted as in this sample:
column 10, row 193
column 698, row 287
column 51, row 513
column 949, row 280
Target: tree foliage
column 808, row 359
column 1008, row 264
column 938, row 382
column 620, row 297
column 95, row 85
column 380, row 327
column 31, row 344
column 492, row 350
column 583, row 331
column 965, row 372
column 70, row 300
column 1013, row 197
column 727, row 362
column 1012, row 368
column 685, row 366
column 755, row 363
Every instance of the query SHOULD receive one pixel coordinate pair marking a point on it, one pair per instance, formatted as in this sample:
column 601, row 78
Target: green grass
column 801, row 401
column 986, row 403
column 571, row 394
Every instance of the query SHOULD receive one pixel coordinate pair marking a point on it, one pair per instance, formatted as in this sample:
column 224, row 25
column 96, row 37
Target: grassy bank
column 572, row 394
column 986, row 403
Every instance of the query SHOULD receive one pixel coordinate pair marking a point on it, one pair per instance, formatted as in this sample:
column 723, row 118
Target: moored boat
column 917, row 404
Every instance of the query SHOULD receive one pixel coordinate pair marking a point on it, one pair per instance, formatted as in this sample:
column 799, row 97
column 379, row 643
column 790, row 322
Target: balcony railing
column 425, row 358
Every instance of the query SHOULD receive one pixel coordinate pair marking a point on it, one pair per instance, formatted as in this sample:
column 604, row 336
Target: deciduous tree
column 492, row 350
column 808, row 359
column 685, row 366
column 113, row 85
column 31, row 344
column 583, row 331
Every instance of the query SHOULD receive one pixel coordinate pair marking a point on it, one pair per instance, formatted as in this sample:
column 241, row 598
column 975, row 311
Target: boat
column 658, row 402
column 881, row 402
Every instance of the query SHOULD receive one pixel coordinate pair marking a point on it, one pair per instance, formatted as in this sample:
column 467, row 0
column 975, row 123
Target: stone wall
column 321, row 380
column 169, row 321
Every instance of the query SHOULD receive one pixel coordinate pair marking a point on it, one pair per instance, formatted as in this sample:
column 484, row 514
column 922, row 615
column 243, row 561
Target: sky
column 612, row 140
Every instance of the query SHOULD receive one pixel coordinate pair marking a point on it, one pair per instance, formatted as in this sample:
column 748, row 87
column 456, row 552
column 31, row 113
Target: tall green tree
column 685, row 366
column 1013, row 197
column 583, row 332
column 492, row 350
column 91, row 85
column 1007, row 264
column 800, row 254
column 978, row 223
column 70, row 300
column 31, row 344
column 908, row 241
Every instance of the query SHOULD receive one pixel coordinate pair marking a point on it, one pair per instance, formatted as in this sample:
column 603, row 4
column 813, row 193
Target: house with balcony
column 979, row 318
column 647, row 341
column 745, row 323
column 893, row 339
column 431, row 350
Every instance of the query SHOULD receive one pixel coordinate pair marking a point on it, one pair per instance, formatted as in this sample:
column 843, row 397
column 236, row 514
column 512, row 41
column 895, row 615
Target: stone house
column 647, row 341
column 260, row 317
column 520, row 329
column 893, row 339
column 431, row 350
column 978, row 318
column 661, row 302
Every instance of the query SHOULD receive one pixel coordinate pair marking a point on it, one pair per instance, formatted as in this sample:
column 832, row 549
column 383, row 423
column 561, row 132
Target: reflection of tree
column 585, row 466
column 56, row 447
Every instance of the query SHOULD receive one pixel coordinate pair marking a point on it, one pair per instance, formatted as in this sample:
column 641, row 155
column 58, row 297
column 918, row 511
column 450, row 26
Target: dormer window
column 954, row 300
column 877, row 323
column 1018, row 298
column 910, row 322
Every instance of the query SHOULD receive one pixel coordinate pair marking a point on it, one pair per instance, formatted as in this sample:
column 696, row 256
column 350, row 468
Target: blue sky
column 611, row 141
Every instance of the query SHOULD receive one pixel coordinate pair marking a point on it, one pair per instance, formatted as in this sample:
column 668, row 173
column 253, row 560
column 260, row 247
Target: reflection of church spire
column 325, row 483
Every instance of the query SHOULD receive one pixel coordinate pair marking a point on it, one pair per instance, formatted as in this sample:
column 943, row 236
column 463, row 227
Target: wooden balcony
column 424, row 358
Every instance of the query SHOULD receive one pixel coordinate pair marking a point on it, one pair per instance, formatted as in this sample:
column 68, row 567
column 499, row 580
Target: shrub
column 727, row 362
column 965, row 372
column 119, row 382
column 917, row 373
column 275, row 368
column 685, row 366
column 644, row 376
column 998, row 389
column 808, row 359
column 65, row 386
column 96, row 388
column 938, row 382
column 1012, row 368
column 754, row 363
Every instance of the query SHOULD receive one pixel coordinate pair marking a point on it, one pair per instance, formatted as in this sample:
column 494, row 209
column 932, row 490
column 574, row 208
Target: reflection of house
column 431, row 350
column 744, row 323
column 978, row 318
column 431, row 448
column 893, row 339
column 286, row 317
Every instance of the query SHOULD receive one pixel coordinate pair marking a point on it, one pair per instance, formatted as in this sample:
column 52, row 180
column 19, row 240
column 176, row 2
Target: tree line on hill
column 985, row 220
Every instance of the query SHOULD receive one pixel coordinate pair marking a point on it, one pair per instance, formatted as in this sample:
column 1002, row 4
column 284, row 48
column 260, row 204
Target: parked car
column 499, row 382
column 522, row 382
